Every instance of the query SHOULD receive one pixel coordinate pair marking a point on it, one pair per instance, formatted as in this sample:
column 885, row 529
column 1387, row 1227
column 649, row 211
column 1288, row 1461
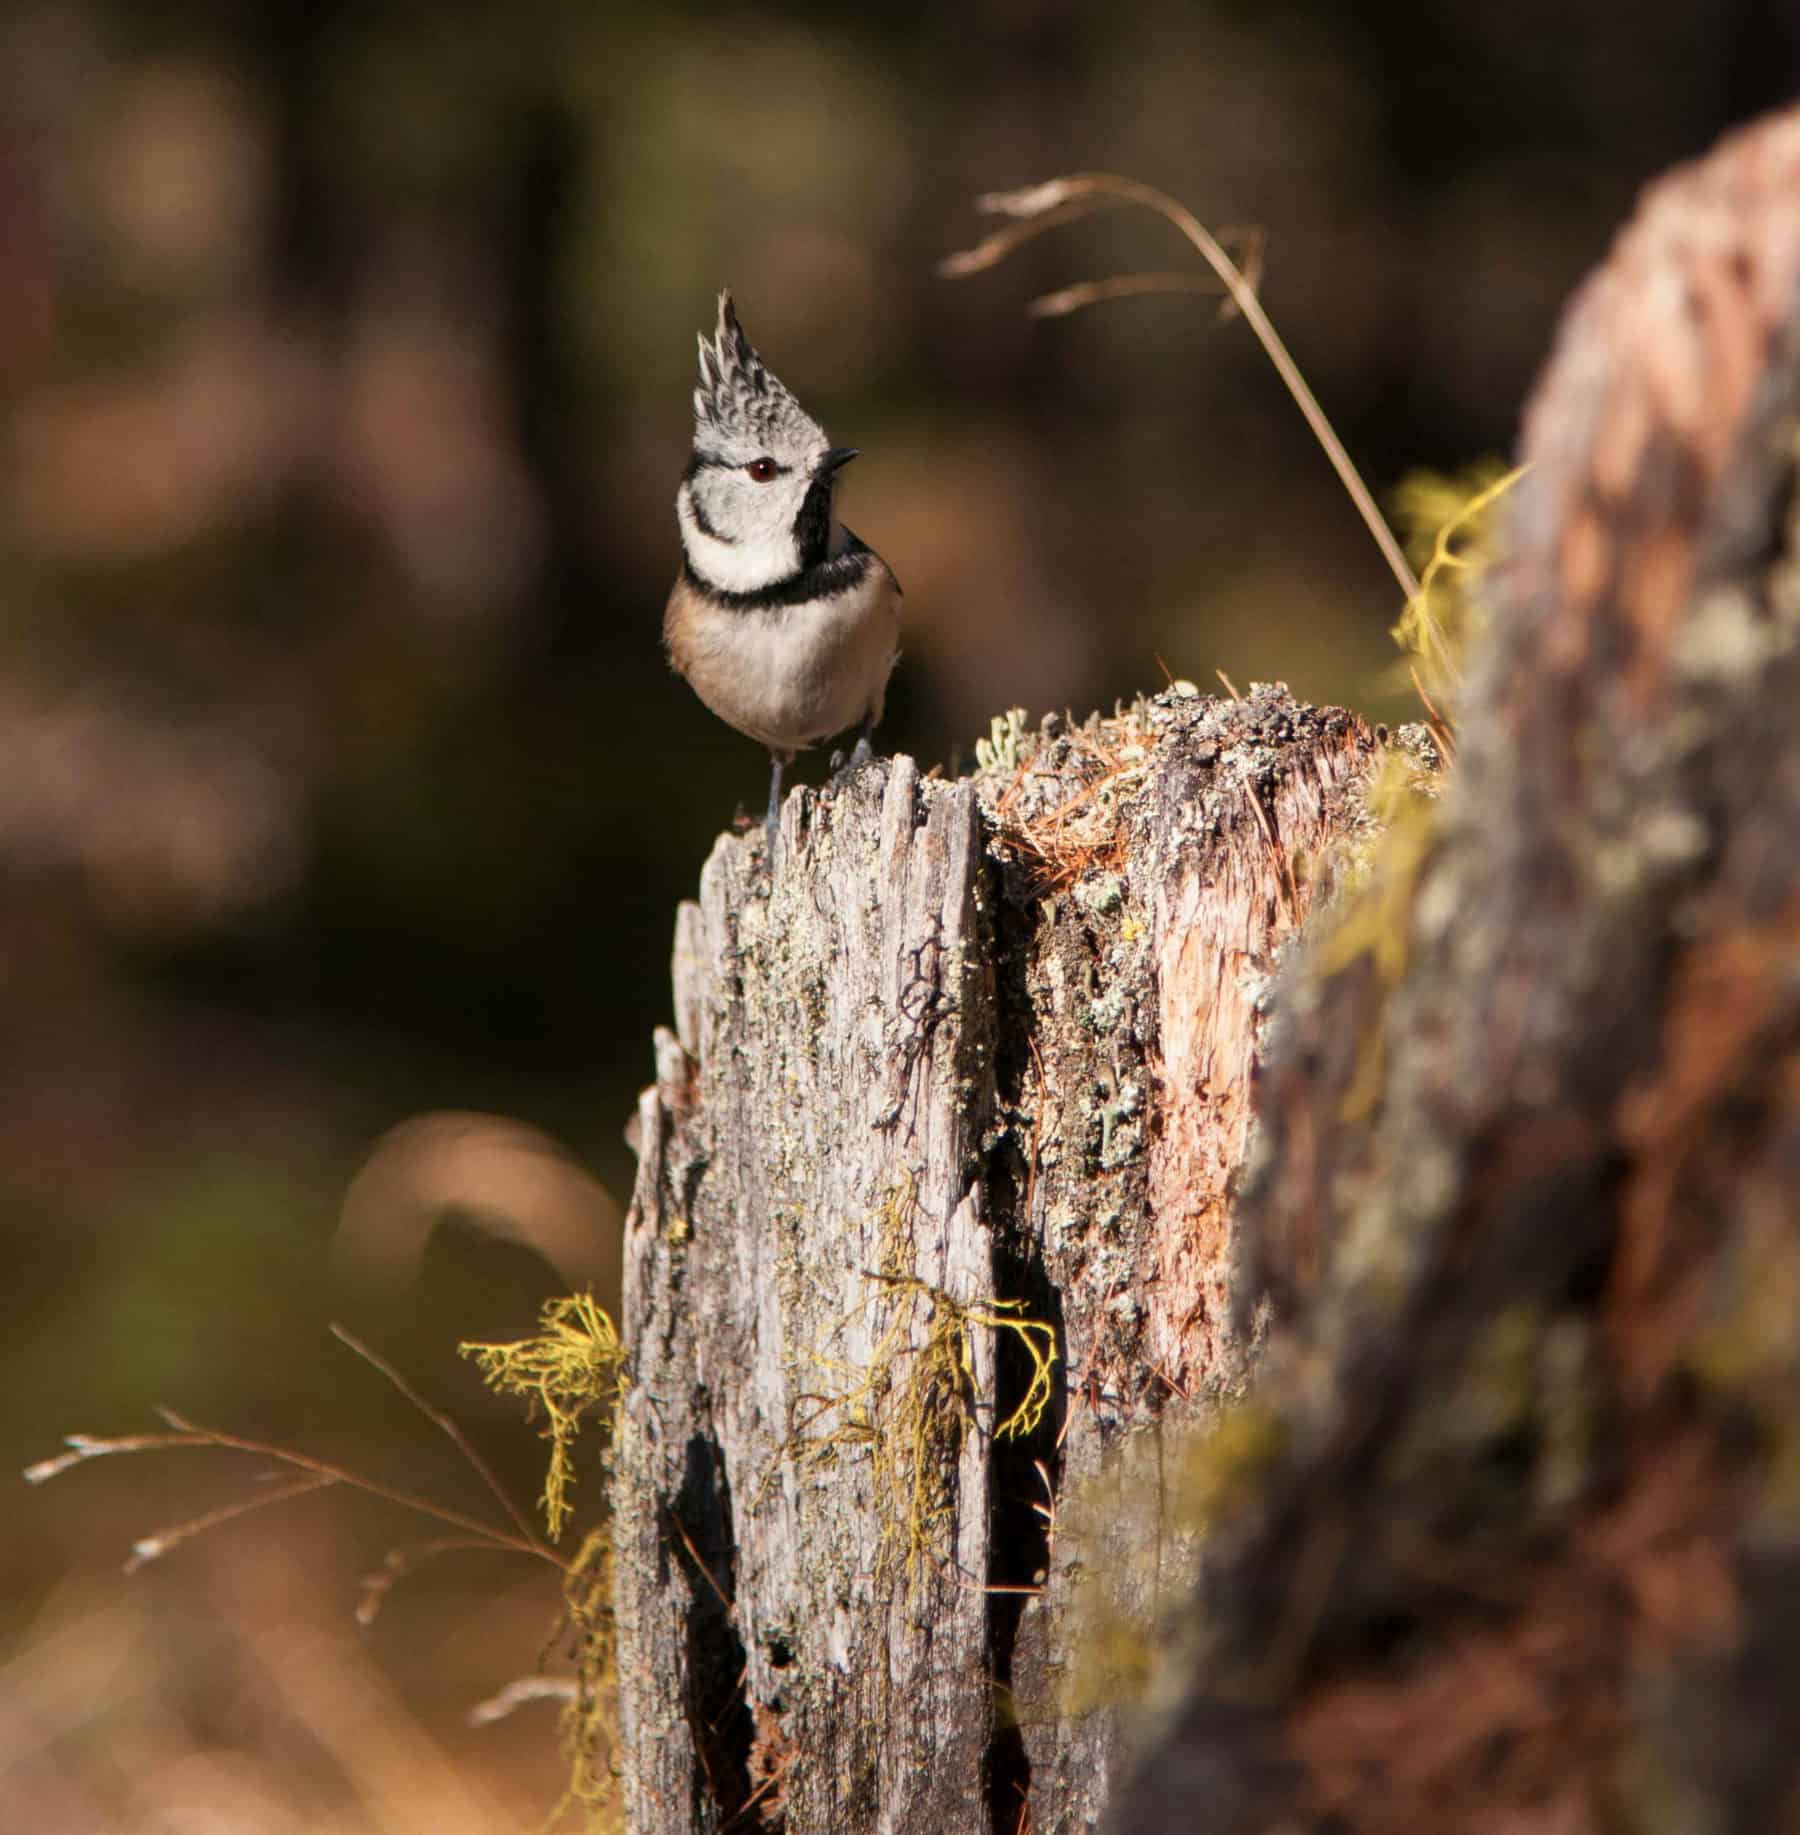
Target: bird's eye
column 762, row 470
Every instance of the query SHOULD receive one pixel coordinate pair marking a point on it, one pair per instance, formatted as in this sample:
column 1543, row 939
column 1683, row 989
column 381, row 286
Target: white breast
column 790, row 675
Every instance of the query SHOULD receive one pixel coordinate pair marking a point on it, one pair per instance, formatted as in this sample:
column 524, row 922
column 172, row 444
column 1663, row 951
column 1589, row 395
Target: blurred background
column 345, row 354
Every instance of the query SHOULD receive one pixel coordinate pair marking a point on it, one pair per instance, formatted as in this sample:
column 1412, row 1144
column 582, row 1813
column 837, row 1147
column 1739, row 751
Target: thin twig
column 1042, row 207
column 398, row 1563
column 995, row 248
column 152, row 1547
column 516, row 1693
column 757, row 1795
column 1082, row 293
column 687, row 1542
column 977, row 1586
column 191, row 1433
column 440, row 1419
column 1440, row 728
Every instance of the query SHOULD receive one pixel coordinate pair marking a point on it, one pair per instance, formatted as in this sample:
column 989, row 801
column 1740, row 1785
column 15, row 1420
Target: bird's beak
column 838, row 455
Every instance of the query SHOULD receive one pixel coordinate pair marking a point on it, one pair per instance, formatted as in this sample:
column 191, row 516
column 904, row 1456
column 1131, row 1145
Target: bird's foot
column 843, row 769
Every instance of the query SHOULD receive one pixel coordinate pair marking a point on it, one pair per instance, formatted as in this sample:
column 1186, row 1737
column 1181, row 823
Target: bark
column 975, row 1046
column 1527, row 1552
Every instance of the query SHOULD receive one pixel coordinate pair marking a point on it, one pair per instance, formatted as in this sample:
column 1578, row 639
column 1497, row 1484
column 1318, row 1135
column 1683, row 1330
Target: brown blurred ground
column 344, row 356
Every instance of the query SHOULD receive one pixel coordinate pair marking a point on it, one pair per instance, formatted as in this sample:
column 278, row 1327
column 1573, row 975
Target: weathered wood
column 1142, row 992
column 984, row 1041
column 820, row 1118
column 1528, row 1555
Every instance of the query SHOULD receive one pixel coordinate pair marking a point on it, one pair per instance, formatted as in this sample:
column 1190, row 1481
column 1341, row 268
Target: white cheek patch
column 760, row 559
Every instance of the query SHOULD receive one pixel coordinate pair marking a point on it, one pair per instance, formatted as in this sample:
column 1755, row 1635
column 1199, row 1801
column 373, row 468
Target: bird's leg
column 772, row 823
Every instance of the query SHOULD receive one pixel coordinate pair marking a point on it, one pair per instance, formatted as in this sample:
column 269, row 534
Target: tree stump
column 964, row 1083
column 1526, row 1552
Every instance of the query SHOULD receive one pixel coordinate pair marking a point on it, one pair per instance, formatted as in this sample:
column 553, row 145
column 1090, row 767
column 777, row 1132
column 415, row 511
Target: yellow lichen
column 570, row 1370
column 590, row 1726
column 911, row 1403
column 1449, row 526
column 1214, row 1468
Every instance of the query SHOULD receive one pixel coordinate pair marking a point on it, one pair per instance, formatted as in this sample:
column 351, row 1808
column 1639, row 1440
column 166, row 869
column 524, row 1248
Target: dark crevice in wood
column 1019, row 1532
column 705, row 1549
column 1018, row 1557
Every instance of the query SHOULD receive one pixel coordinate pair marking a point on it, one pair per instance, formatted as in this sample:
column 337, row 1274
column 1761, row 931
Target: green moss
column 1134, row 1530
column 1747, row 1360
column 1372, row 919
column 1758, row 1337
column 1501, row 1387
column 1219, row 1465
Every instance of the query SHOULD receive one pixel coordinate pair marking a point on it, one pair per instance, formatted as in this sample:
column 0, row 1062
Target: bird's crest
column 739, row 400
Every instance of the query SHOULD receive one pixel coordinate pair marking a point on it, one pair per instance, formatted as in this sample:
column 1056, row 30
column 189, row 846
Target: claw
column 842, row 769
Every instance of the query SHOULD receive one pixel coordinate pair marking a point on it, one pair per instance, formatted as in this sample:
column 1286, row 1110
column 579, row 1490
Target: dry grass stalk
column 1047, row 206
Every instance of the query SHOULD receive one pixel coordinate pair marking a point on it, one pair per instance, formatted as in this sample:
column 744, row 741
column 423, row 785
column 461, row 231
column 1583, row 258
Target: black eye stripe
column 712, row 461
column 703, row 522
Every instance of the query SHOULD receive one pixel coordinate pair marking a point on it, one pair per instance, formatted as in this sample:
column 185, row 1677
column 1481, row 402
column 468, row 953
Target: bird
column 783, row 622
